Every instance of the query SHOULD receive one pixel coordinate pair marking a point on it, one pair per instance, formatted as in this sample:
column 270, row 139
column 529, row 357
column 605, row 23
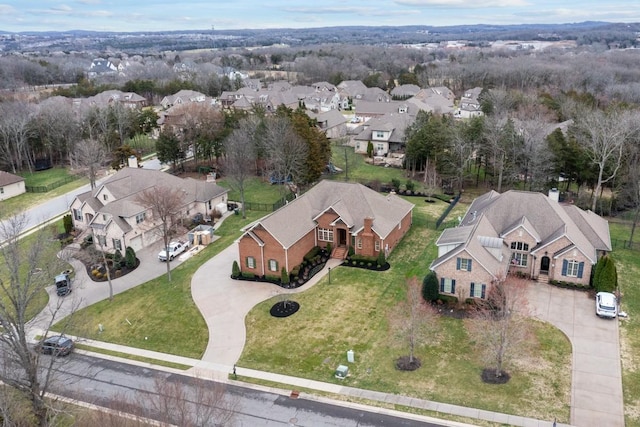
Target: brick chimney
column 367, row 237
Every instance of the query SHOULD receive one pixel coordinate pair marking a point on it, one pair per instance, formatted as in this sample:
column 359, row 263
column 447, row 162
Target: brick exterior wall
column 272, row 250
column 520, row 234
column 248, row 247
column 478, row 275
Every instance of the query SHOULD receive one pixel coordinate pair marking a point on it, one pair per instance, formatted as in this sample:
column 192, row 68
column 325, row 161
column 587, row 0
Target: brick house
column 337, row 213
column 519, row 232
column 112, row 214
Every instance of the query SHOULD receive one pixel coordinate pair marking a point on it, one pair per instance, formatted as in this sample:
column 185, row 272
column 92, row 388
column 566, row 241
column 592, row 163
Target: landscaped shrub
column 410, row 185
column 328, row 248
column 395, row 183
column 67, row 222
column 605, row 278
column 312, row 253
column 381, row 258
column 248, row 275
column 272, row 279
column 130, row 257
column 448, row 299
column 284, row 279
column 295, row 271
column 369, row 149
column 117, row 256
column 430, row 287
column 235, row 269
column 351, row 251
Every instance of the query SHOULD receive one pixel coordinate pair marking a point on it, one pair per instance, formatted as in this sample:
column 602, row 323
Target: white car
column 173, row 250
column 606, row 305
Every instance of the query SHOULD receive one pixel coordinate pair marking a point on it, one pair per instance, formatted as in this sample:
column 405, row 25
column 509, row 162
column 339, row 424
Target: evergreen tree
column 430, row 288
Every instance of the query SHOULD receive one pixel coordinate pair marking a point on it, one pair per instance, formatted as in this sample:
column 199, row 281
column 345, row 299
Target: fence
column 269, row 207
column 625, row 244
column 49, row 187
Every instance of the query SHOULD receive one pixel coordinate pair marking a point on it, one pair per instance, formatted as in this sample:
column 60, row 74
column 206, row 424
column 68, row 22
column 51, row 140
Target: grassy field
column 360, row 171
column 48, row 262
column 628, row 265
column 352, row 313
column 25, row 201
column 256, row 191
column 157, row 315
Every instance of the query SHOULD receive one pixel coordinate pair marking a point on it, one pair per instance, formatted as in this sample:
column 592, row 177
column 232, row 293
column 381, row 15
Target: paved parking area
column 596, row 386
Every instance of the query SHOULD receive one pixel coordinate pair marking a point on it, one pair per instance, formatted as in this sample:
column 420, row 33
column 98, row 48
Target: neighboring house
column 386, row 133
column 101, row 66
column 404, row 91
column 182, row 97
column 113, row 215
column 337, row 213
column 331, row 122
column 470, row 104
column 519, row 232
column 110, row 97
column 368, row 109
column 435, row 100
column 11, row 185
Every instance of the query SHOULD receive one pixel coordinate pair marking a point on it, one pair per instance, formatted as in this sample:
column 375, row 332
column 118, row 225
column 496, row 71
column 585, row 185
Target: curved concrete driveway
column 596, row 385
column 224, row 304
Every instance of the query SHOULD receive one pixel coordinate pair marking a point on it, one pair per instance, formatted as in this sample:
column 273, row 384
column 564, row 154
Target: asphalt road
column 101, row 382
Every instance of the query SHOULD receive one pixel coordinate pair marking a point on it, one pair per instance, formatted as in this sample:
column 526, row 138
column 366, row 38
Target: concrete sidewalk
column 224, row 373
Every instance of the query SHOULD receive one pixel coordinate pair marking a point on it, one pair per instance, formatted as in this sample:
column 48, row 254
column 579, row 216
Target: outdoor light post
column 329, row 275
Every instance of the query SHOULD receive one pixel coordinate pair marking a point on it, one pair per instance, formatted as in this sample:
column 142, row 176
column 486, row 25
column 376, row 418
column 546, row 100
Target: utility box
column 351, row 357
column 342, row 372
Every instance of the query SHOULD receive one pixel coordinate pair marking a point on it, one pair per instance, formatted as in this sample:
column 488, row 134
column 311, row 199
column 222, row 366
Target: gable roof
column 127, row 183
column 544, row 218
column 351, row 202
column 394, row 122
column 7, row 178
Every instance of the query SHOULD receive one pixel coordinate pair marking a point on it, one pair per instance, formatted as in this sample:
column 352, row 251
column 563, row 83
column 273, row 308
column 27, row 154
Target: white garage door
column 136, row 243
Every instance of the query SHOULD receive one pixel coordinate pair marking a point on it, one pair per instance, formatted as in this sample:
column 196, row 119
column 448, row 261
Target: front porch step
column 543, row 278
column 339, row 253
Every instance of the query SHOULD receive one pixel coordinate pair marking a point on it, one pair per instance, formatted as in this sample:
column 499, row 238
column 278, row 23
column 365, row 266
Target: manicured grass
column 256, row 191
column 352, row 313
column 162, row 315
column 360, row 171
column 133, row 357
column 48, row 262
column 628, row 266
column 45, row 177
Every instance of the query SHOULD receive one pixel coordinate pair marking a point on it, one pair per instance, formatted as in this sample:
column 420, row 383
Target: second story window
column 140, row 217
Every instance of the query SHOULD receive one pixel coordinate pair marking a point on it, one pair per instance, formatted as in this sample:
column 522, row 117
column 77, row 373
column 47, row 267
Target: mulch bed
column 284, row 308
column 489, row 377
column 405, row 363
column 364, row 265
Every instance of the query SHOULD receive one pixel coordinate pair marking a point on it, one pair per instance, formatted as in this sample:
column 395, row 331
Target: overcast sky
column 159, row 15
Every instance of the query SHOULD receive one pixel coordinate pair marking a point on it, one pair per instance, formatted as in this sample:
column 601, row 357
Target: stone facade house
column 11, row 185
column 519, row 232
column 336, row 213
column 112, row 214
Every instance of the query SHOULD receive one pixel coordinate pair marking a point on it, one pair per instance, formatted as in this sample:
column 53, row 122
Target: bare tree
column 286, row 151
column 605, row 135
column 500, row 326
column 413, row 321
column 458, row 156
column 15, row 130
column 27, row 269
column 240, row 156
column 88, row 156
column 164, row 203
column 99, row 240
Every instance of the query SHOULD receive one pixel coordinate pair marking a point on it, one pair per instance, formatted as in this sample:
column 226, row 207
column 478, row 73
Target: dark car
column 57, row 345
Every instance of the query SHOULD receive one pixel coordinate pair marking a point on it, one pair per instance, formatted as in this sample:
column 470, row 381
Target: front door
column 544, row 265
column 342, row 237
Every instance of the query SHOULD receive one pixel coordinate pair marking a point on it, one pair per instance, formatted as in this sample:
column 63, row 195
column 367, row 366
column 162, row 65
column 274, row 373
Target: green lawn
column 256, row 191
column 157, row 315
column 360, row 171
column 352, row 313
column 628, row 265
column 48, row 262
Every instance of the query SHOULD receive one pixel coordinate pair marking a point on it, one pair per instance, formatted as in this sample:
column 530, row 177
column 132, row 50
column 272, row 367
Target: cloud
column 88, row 1
column 477, row 4
column 6, row 9
column 344, row 10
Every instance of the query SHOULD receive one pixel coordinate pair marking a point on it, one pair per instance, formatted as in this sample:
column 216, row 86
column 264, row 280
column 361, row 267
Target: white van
column 606, row 305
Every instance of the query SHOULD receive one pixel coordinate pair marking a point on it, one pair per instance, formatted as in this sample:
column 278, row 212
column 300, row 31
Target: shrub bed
column 570, row 285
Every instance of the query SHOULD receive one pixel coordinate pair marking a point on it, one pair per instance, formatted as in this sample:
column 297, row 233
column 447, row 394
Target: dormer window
column 105, row 197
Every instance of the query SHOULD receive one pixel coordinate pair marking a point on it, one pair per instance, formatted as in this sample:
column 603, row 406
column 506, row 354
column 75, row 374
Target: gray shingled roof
column 396, row 122
column 352, row 202
column 7, row 178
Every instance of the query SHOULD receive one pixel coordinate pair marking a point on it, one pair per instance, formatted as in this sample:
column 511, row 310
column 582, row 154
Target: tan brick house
column 519, row 231
column 113, row 215
column 337, row 213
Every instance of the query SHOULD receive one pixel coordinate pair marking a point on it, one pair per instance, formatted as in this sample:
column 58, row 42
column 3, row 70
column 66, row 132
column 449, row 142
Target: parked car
column 63, row 284
column 56, row 345
column 606, row 305
column 173, row 250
